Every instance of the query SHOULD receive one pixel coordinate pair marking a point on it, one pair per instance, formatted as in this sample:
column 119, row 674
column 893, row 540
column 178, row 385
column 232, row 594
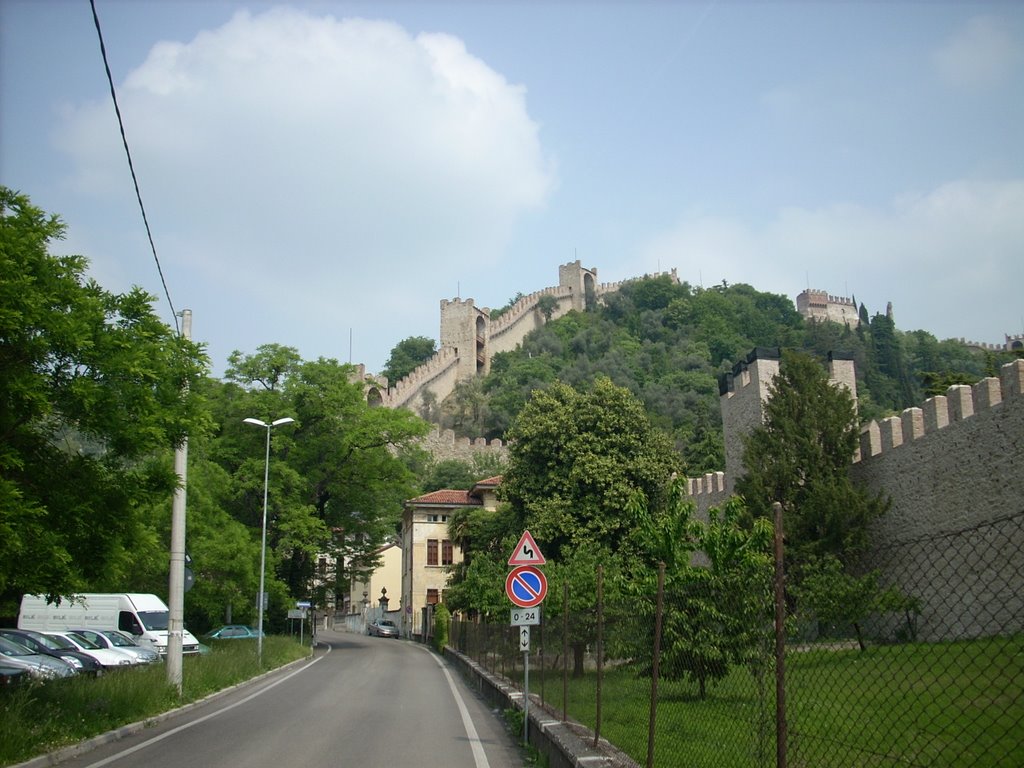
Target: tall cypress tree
column 800, row 457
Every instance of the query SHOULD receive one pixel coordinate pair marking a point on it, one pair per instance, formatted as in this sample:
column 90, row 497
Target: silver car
column 383, row 628
column 119, row 641
column 110, row 659
column 37, row 665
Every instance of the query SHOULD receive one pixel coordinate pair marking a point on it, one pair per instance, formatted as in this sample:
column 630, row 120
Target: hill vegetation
column 668, row 343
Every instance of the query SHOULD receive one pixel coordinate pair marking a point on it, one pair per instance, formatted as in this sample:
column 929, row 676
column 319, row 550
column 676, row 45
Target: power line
column 131, row 166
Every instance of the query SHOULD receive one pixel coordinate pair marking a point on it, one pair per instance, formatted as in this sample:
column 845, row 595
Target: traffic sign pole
column 526, row 586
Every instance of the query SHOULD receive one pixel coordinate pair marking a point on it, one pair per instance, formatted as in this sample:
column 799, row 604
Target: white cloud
column 949, row 259
column 982, row 53
column 308, row 162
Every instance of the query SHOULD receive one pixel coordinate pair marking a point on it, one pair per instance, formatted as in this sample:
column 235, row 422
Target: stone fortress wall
column 442, row 444
column 953, row 467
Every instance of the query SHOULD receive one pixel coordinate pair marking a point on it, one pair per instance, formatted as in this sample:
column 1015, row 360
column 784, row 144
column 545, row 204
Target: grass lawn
column 948, row 704
column 35, row 719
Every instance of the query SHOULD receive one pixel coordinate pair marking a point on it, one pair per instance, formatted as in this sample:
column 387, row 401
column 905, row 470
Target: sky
column 322, row 174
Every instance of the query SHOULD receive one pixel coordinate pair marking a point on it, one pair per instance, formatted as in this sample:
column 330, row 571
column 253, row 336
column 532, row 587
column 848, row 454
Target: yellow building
column 380, row 592
column 427, row 550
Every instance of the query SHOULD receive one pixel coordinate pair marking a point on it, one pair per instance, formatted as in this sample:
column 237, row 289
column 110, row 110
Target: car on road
column 382, row 628
column 83, row 663
column 232, row 632
column 37, row 665
column 120, row 641
column 110, row 659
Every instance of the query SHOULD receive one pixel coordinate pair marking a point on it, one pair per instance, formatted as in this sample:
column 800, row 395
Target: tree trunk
column 577, row 659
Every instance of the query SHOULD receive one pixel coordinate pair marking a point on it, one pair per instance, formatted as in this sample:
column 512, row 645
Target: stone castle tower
column 819, row 305
column 744, row 392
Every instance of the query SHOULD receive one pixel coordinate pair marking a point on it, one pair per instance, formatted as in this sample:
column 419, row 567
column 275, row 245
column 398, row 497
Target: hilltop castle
column 819, row 305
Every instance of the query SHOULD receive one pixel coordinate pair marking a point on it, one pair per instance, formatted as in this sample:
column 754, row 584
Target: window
column 432, row 597
column 431, row 551
column 437, row 518
column 446, row 552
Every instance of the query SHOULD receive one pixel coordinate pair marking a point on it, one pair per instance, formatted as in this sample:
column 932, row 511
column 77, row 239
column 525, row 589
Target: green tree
column 407, row 355
column 93, row 399
column 442, row 622
column 576, row 459
column 718, row 598
column 800, row 457
column 827, row 593
column 547, row 304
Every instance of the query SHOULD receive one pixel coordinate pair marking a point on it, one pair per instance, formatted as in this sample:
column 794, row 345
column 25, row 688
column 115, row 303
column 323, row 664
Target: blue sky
column 322, row 174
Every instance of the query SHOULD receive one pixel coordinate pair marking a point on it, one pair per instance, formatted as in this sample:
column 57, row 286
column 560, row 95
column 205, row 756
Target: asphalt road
column 361, row 701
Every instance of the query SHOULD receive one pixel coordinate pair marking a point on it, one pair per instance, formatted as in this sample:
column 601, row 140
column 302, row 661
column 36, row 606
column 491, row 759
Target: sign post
column 526, row 586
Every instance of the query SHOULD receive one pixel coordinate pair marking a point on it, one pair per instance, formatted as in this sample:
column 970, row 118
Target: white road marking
column 479, row 756
column 204, row 718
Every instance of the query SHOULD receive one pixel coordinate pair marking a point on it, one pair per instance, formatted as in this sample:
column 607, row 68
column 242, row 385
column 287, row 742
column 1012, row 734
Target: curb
column 75, row 750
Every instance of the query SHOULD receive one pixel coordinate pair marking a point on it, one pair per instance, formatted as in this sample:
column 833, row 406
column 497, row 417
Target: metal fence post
column 656, row 658
column 780, row 643
column 600, row 649
column 565, row 651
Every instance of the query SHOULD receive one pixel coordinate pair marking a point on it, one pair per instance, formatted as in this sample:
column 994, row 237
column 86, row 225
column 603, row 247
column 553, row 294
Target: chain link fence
column 692, row 672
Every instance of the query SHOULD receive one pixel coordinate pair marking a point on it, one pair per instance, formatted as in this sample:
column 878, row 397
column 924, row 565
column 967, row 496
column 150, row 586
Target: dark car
column 39, row 666
column 83, row 663
column 383, row 628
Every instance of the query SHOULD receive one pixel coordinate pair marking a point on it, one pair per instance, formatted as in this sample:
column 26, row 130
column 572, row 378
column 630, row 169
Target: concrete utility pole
column 176, row 588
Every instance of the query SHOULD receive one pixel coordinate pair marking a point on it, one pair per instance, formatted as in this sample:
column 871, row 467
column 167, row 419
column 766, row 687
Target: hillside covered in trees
column 669, row 343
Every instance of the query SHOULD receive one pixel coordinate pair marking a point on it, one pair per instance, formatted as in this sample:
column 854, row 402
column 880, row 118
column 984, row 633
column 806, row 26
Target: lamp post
column 263, row 540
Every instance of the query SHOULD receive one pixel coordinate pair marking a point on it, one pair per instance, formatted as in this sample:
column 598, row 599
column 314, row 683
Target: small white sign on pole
column 523, row 617
column 524, row 639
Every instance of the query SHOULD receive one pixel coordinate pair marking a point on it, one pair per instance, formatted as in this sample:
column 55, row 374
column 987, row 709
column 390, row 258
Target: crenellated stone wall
column 443, row 444
column 438, row 374
column 953, row 470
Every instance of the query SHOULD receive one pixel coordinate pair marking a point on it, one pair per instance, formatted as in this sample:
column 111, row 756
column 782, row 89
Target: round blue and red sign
column 526, row 586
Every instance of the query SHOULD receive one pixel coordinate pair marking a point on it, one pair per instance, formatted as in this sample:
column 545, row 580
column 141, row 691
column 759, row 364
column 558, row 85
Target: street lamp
column 263, row 544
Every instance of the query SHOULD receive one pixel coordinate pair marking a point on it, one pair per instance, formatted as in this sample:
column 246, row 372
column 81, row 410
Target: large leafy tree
column 800, row 457
column 339, row 480
column 93, row 398
column 577, row 459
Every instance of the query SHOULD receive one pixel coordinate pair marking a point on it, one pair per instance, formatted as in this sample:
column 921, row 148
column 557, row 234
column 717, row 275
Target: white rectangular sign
column 524, row 639
column 526, row 617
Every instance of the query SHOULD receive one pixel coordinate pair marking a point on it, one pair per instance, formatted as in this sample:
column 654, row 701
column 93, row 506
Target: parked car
column 120, row 641
column 110, row 659
column 383, row 628
column 232, row 632
column 37, row 665
column 64, row 645
column 83, row 663
column 10, row 675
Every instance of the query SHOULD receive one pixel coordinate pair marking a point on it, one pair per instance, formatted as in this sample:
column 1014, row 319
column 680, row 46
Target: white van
column 143, row 616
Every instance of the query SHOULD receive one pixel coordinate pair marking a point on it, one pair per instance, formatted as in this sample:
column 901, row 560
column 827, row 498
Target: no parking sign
column 526, row 586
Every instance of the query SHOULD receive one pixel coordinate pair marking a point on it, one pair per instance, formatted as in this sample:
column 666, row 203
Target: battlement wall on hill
column 443, row 444
column 954, row 472
column 437, row 374
column 508, row 331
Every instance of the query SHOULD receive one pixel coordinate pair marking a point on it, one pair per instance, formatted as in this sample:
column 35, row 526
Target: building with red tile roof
column 428, row 553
